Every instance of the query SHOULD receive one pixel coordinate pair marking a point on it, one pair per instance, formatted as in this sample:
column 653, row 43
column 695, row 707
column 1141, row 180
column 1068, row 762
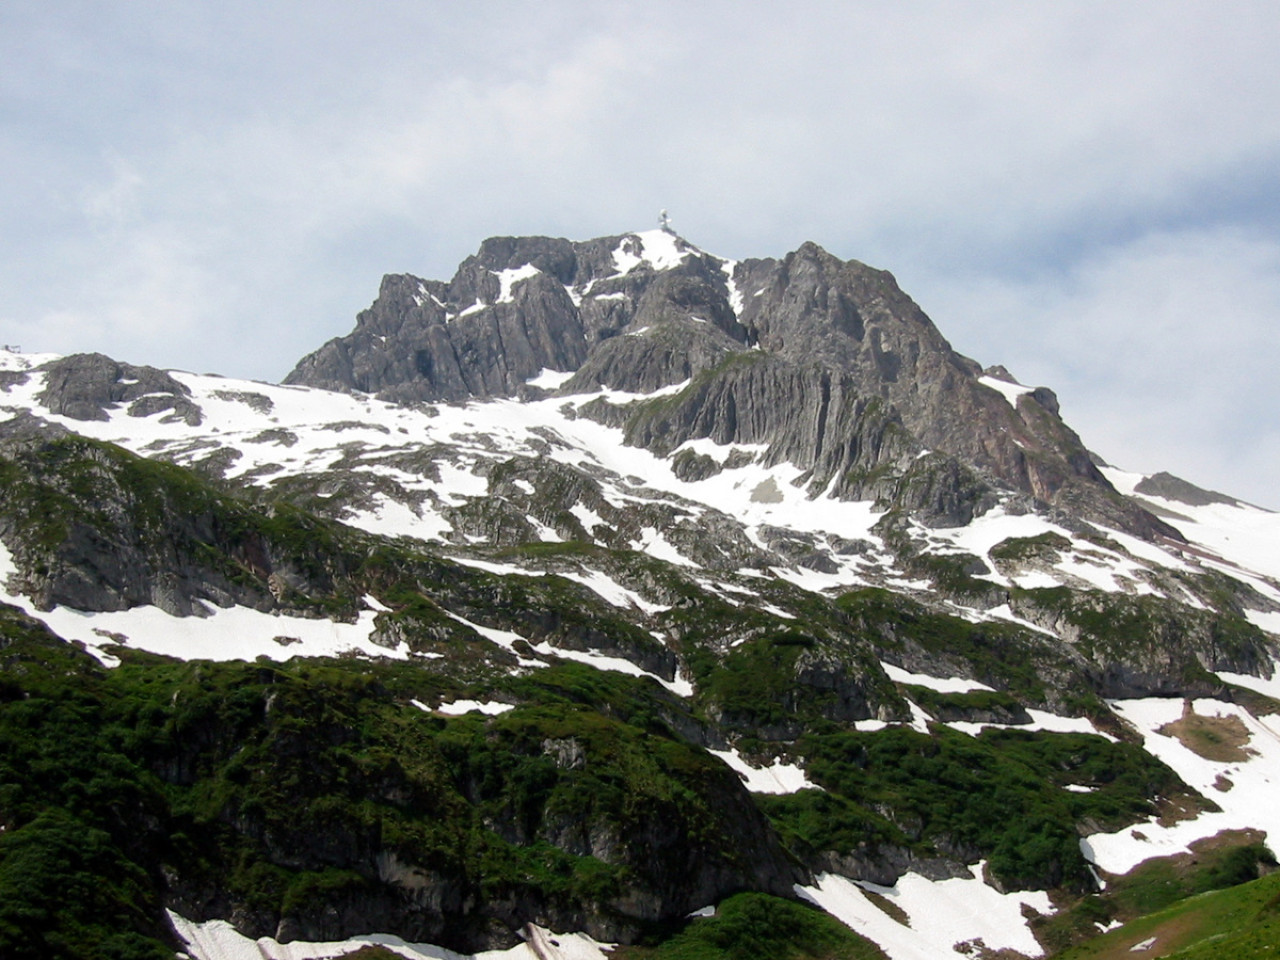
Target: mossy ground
column 1157, row 885
column 1241, row 922
column 751, row 926
column 999, row 796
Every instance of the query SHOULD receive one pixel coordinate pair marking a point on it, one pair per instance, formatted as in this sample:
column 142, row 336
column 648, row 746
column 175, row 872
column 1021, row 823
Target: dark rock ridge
column 83, row 385
column 827, row 362
column 1169, row 487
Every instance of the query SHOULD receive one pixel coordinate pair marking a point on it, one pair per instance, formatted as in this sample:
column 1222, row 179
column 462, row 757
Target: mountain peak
column 828, row 363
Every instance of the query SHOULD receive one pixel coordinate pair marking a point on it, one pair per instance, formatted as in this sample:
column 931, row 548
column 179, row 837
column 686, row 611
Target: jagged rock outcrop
column 82, row 385
column 826, row 362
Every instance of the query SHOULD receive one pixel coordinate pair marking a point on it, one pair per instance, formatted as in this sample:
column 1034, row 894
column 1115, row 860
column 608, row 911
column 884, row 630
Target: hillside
column 606, row 583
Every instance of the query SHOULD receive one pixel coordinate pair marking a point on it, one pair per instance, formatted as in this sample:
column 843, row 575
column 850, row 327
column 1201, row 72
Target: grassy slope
column 1239, row 923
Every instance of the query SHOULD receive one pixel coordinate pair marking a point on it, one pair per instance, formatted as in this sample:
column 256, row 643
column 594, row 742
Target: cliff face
column 826, row 362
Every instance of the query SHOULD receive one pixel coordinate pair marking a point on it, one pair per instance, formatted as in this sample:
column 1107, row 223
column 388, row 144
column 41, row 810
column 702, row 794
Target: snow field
column 1241, row 532
column 314, row 416
column 1246, row 534
column 941, row 914
column 1248, row 803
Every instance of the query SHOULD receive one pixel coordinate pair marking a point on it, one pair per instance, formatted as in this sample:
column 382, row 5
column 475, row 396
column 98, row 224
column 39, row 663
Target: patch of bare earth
column 1221, row 739
column 1171, row 810
column 1169, row 936
column 888, row 907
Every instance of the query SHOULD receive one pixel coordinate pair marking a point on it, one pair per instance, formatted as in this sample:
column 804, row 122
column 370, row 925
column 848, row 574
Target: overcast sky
column 1084, row 192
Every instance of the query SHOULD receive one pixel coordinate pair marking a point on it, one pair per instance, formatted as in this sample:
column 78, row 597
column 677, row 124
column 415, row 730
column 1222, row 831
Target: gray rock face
column 82, row 385
column 410, row 346
column 826, row 362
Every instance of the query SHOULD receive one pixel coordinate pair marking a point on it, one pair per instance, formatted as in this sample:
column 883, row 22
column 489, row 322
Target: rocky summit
column 827, row 363
column 616, row 599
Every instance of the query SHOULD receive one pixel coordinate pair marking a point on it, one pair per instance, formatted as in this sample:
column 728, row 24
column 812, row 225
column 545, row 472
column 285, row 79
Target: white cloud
column 1163, row 350
column 114, row 204
column 184, row 180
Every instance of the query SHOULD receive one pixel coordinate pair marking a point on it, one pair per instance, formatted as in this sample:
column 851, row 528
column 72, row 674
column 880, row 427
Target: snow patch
column 778, row 777
column 1010, row 391
column 509, row 278
column 942, row 914
column 1268, row 688
column 611, row 591
column 680, row 686
column 656, row 545
column 941, row 684
column 230, row 633
column 587, row 517
column 458, row 708
column 735, row 294
column 503, row 638
column 219, row 940
column 491, row 567
column 659, row 249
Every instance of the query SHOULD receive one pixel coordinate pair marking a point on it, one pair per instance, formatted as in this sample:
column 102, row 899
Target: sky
column 1084, row 192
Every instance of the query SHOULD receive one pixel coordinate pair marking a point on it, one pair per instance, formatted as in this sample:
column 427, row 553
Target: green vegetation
column 67, row 890
column 1001, row 655
column 1241, row 922
column 1045, row 547
column 1114, row 626
column 997, row 796
column 813, row 821
column 281, row 786
column 751, row 926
